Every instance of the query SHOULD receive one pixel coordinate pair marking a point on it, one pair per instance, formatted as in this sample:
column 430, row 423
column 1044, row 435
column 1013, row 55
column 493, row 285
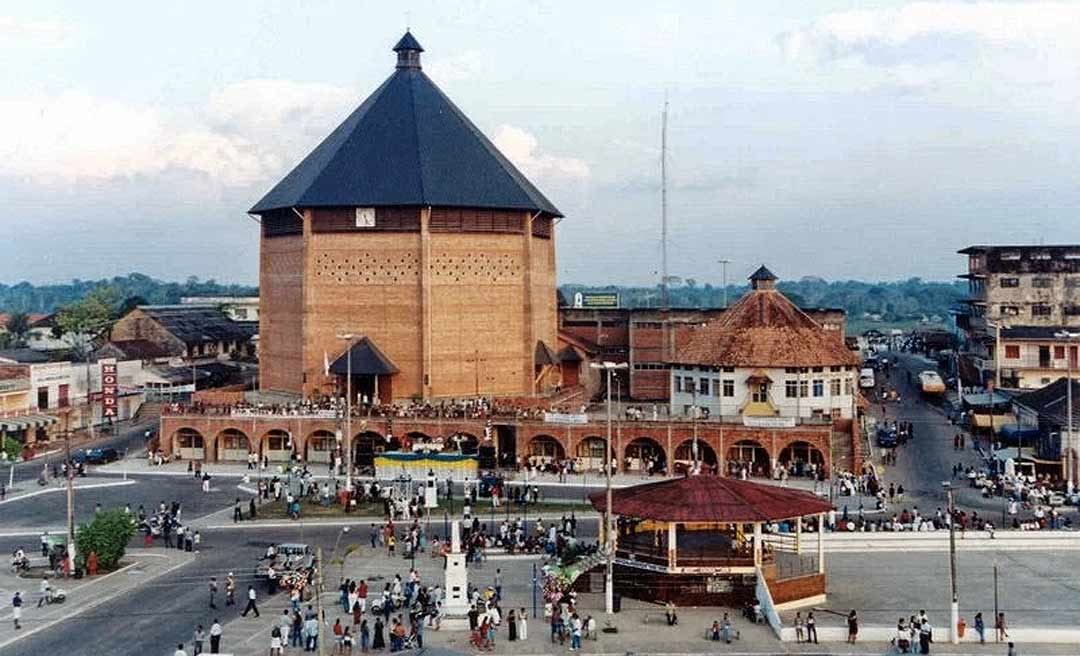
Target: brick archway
column 232, row 444
column 640, row 451
column 752, row 454
column 320, row 446
column 684, row 455
column 278, row 445
column 590, row 453
column 544, row 450
column 189, row 444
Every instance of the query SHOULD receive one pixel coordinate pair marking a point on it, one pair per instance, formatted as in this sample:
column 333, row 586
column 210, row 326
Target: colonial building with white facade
column 764, row 361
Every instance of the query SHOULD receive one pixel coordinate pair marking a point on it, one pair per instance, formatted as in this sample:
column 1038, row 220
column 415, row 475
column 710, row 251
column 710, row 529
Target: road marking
column 87, row 486
column 92, row 605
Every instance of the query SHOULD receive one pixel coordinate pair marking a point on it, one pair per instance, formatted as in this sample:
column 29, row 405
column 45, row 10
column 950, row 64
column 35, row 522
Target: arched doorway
column 189, row 443
column 277, row 446
column 320, row 446
column 364, row 447
column 591, row 454
column 416, row 437
column 644, row 455
column 750, row 454
column 802, row 459
column 545, row 452
column 464, row 443
column 233, row 444
column 684, row 456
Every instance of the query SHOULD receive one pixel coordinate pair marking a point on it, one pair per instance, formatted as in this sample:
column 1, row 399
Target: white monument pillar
column 457, row 583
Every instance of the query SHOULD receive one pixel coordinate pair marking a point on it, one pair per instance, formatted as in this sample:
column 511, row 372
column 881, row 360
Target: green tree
column 84, row 320
column 18, row 326
column 107, row 535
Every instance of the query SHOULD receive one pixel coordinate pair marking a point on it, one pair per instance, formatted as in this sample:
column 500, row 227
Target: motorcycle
column 57, row 596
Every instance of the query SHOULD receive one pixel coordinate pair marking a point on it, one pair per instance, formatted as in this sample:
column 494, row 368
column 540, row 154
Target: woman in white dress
column 523, row 627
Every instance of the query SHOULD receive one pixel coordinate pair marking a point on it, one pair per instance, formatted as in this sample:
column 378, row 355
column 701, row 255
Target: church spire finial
column 408, row 51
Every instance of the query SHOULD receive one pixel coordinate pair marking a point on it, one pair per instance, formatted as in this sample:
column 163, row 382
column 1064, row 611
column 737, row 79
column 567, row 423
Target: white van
column 866, row 378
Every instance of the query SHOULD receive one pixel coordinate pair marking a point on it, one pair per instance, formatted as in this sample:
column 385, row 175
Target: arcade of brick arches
column 666, row 444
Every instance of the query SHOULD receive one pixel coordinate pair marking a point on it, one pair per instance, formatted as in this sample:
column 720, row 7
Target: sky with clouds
column 864, row 140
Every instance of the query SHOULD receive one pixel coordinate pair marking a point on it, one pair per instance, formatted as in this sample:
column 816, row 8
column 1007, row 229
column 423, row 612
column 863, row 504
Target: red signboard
column 109, row 383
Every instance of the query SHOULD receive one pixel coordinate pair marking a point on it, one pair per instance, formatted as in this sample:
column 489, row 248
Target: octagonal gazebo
column 702, row 540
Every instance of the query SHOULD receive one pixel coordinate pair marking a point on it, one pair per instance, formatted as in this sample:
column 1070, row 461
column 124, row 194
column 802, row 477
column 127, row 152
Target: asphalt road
column 925, row 462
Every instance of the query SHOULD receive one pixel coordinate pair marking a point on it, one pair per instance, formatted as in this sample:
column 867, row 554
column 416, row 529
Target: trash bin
column 961, row 627
column 616, row 602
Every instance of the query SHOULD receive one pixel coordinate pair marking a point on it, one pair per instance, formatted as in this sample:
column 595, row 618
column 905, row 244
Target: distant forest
column 901, row 303
column 894, row 303
column 44, row 299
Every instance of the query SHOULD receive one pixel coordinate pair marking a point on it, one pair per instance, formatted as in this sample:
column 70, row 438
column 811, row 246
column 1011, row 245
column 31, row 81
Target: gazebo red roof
column 710, row 499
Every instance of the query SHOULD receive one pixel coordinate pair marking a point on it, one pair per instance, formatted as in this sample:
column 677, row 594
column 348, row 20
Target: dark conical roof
column 406, row 145
column 762, row 273
column 408, row 42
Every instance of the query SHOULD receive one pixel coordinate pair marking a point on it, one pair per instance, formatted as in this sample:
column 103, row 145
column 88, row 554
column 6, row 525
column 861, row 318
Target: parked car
column 887, row 438
column 97, row 456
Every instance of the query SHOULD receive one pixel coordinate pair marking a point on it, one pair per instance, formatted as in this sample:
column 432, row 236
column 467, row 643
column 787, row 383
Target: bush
column 12, row 449
column 107, row 535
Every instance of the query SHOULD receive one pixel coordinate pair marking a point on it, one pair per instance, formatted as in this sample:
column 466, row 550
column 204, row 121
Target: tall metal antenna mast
column 663, row 209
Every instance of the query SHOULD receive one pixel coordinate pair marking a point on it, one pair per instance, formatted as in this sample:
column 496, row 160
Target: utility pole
column 70, row 497
column 609, row 532
column 318, row 600
column 723, row 278
column 954, row 607
column 1069, row 452
column 663, row 209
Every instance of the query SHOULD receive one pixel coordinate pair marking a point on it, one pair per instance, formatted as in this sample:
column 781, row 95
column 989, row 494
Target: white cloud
column 522, row 148
column 249, row 132
column 37, row 33
column 866, row 33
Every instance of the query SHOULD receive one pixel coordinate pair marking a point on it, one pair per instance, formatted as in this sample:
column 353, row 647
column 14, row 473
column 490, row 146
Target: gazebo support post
column 672, row 558
column 798, row 535
column 757, row 544
column 821, row 544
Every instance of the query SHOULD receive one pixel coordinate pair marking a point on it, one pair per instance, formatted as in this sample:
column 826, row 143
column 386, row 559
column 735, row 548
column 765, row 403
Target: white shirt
column 179, row 652
column 215, row 629
column 251, row 594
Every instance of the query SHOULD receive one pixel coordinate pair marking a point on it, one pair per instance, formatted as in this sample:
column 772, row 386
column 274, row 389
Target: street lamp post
column 998, row 347
column 348, row 337
column 609, row 533
column 954, row 606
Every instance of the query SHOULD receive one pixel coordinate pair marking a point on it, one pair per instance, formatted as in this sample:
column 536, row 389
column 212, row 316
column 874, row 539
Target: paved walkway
column 137, row 569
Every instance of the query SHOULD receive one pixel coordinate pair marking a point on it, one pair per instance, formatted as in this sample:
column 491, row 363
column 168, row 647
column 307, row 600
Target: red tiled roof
column 31, row 319
column 764, row 329
column 710, row 499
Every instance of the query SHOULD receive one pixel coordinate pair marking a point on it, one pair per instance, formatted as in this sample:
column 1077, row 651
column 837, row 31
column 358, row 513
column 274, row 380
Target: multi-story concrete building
column 1024, row 297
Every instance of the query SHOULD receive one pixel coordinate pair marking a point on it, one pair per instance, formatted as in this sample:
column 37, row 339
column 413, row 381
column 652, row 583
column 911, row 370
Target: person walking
column 1000, row 627
column 230, row 590
column 213, row 590
column 16, row 609
column 980, row 628
column 237, row 515
column 811, row 628
column 251, row 607
column 852, row 627
column 180, row 650
column 197, row 640
column 800, row 628
column 378, row 641
column 215, row 637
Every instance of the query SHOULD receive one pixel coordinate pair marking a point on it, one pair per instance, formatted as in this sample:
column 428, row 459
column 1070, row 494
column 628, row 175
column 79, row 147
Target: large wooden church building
column 406, row 250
